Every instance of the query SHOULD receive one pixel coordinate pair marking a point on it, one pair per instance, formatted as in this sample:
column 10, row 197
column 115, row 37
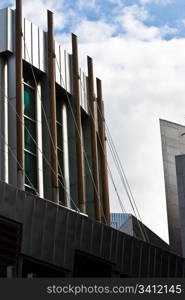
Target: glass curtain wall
column 30, row 150
column 60, row 151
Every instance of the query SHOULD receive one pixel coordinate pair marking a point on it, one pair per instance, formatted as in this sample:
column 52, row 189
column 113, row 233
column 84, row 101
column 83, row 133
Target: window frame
column 33, row 154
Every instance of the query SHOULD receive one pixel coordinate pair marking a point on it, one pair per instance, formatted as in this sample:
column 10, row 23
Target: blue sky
column 161, row 12
column 138, row 49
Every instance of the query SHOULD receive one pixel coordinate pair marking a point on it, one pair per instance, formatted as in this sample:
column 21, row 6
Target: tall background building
column 54, row 204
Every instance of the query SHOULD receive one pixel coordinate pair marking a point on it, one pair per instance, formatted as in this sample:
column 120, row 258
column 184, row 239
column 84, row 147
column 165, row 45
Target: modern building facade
column 52, row 140
column 173, row 146
column 130, row 225
column 118, row 219
column 54, row 204
column 40, row 238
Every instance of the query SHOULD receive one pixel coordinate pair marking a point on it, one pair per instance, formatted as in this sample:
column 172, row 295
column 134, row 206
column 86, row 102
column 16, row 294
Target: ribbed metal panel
column 35, row 52
column 35, row 46
column 68, row 73
column 57, row 63
column 83, row 89
column 6, row 30
column 42, row 51
column 52, row 233
column 27, row 32
column 63, row 68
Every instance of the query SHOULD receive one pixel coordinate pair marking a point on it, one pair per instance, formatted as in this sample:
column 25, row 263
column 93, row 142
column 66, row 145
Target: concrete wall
column 173, row 143
column 180, row 167
column 52, row 234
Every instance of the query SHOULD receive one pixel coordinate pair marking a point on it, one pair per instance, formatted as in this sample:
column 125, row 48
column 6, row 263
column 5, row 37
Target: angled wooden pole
column 52, row 98
column 103, row 152
column 19, row 96
column 79, row 137
column 95, row 168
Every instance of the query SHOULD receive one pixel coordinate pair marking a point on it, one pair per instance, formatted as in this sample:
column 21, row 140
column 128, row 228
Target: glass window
column 29, row 135
column 30, row 158
column 59, row 136
column 30, row 169
column 29, row 102
column 59, row 111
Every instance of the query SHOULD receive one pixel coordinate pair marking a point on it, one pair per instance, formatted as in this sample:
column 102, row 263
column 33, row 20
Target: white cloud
column 132, row 19
column 36, row 11
column 89, row 31
column 143, row 80
column 163, row 2
column 84, row 4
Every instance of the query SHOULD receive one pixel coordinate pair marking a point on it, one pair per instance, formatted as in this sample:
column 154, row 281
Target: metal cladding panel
column 12, row 130
column 145, row 259
column 42, row 50
column 2, row 123
column 60, row 237
column 66, row 154
column 173, row 143
column 69, row 246
column 165, row 263
column 127, row 256
column 57, row 63
column 179, row 268
column 2, row 199
column 6, row 30
column 19, row 205
column 37, row 228
column 87, row 230
column 158, row 263
column 52, row 233
column 10, row 200
column 78, row 233
column 119, row 249
column 151, row 265
column 97, row 239
column 136, row 258
column 48, row 242
column 27, row 40
column 83, row 89
column 63, row 68
column 35, row 46
column 180, row 168
column 114, row 247
column 11, row 31
column 68, row 73
column 86, row 93
column 3, row 30
column 106, row 242
column 172, row 266
column 27, row 220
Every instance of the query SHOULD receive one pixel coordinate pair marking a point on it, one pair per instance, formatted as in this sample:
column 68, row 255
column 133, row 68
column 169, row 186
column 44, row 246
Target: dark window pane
column 60, row 163
column 59, row 136
column 59, row 111
column 29, row 135
column 30, row 169
column 29, row 102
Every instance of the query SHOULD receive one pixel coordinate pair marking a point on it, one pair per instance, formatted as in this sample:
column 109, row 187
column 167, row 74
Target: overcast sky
column 138, row 49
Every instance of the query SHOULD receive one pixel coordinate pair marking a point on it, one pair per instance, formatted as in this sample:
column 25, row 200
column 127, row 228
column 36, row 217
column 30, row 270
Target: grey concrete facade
column 173, row 144
column 53, row 234
column 180, row 167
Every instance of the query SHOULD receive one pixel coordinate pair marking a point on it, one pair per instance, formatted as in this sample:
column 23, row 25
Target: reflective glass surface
column 29, row 102
column 30, row 169
column 29, row 135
